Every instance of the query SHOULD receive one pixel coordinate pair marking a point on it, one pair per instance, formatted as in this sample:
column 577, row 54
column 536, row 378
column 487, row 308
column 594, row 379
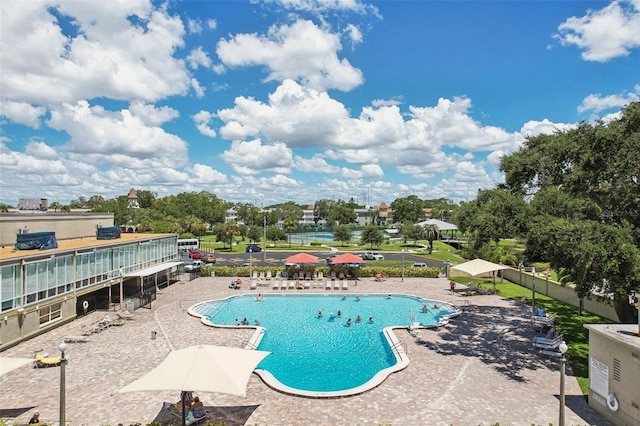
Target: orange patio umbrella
column 302, row 258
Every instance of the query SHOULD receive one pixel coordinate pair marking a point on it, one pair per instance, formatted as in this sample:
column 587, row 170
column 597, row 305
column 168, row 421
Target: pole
column 533, row 291
column 63, row 361
column 563, row 361
column 264, row 237
column 121, row 291
column 403, row 265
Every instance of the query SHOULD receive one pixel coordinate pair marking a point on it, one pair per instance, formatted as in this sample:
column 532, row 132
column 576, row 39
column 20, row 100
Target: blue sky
column 298, row 100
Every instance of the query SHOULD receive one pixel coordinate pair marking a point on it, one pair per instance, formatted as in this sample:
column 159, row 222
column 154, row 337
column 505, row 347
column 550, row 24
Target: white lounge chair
column 307, row 284
column 337, row 285
column 345, row 284
column 253, row 285
column 276, row 283
column 328, row 285
column 291, row 285
column 268, row 275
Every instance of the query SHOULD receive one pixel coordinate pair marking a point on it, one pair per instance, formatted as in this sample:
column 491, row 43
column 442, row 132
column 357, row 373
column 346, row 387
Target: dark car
column 253, row 248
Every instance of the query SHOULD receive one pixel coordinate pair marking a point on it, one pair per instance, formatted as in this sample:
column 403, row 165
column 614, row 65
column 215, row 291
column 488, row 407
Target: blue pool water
column 324, row 354
column 305, row 238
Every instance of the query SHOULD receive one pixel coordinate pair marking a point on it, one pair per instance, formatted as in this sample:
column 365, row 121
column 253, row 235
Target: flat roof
column 152, row 270
column 65, row 246
column 623, row 333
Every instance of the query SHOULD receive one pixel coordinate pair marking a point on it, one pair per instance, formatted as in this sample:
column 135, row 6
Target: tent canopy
column 10, row 364
column 442, row 225
column 477, row 267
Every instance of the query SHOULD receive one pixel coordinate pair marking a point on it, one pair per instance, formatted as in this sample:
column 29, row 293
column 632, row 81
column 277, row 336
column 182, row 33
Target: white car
column 193, row 266
column 419, row 265
column 372, row 255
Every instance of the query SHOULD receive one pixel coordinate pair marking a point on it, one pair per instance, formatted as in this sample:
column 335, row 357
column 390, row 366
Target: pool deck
column 458, row 374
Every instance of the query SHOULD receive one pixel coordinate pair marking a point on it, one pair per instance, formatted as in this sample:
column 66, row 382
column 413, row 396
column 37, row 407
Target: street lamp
column 563, row 360
column 402, row 264
column 63, row 361
column 264, row 237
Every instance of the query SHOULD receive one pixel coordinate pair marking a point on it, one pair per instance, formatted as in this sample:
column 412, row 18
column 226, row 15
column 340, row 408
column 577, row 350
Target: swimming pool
column 323, row 356
column 325, row 237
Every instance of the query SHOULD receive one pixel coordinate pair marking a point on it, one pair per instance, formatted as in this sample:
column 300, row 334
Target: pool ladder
column 400, row 344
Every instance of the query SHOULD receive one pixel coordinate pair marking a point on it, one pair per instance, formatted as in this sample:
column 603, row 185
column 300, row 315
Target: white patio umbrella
column 478, row 267
column 203, row 368
column 9, row 364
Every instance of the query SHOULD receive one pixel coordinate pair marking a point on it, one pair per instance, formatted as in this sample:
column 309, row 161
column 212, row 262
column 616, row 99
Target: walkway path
column 458, row 375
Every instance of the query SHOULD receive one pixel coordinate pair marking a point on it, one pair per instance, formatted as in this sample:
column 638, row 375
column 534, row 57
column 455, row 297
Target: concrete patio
column 458, row 375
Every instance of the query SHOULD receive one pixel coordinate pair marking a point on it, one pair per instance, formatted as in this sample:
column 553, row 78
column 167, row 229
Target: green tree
column 276, row 234
column 410, row 232
column 371, row 235
column 254, row 234
column 342, row 233
column 226, row 232
column 592, row 228
column 430, row 233
column 408, row 209
column 290, row 224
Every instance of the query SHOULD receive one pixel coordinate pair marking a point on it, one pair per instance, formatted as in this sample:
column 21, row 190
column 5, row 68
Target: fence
column 555, row 290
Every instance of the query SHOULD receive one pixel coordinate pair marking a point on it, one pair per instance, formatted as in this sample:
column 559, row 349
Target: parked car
column 419, row 265
column 253, row 248
column 209, row 258
column 193, row 254
column 372, row 255
column 193, row 266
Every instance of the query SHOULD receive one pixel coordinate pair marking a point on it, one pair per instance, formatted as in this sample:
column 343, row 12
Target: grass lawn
column 568, row 322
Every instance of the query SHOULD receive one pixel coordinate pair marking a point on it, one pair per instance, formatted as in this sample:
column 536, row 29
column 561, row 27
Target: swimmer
column 320, row 314
column 388, row 296
column 256, row 322
column 436, row 306
column 259, row 298
column 237, row 322
column 425, row 309
column 344, row 297
column 339, row 314
column 370, row 320
column 358, row 318
column 245, row 321
column 357, row 298
column 349, row 322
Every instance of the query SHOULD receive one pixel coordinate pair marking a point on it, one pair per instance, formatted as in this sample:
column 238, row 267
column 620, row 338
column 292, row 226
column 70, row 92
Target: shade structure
column 302, row 258
column 8, row 364
column 203, row 368
column 345, row 258
column 478, row 267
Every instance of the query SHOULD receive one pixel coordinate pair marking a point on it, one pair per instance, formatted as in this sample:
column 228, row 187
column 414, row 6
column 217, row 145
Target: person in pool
column 425, row 309
column 370, row 320
column 339, row 314
column 320, row 314
column 259, row 298
column 357, row 298
column 349, row 322
column 358, row 318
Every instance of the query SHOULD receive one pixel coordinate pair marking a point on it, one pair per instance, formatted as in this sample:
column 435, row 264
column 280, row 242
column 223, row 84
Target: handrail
column 247, row 344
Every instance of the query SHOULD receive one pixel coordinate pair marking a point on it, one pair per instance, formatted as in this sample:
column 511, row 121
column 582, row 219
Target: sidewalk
column 458, row 375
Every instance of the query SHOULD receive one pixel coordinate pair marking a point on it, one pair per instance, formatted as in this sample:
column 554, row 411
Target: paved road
column 277, row 258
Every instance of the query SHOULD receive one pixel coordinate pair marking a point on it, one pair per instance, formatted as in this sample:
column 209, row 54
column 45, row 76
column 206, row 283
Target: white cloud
column 534, row 128
column 117, row 138
column 315, row 164
column 253, row 157
column 604, row 34
column 152, row 115
column 198, row 58
column 354, row 33
column 207, row 175
column 194, row 26
column 106, row 55
column 212, row 24
column 22, row 113
column 202, row 120
column 598, row 103
column 301, row 51
column 40, row 150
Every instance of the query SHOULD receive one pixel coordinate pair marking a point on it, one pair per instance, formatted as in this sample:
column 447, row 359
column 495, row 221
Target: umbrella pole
column 184, row 414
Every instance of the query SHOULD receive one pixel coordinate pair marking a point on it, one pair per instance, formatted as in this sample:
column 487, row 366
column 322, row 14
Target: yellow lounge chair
column 47, row 361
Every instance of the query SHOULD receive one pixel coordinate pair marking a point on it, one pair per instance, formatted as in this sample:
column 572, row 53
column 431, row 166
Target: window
column 50, row 313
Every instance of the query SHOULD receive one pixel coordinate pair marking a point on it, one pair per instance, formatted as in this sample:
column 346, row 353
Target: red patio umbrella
column 347, row 258
column 302, row 258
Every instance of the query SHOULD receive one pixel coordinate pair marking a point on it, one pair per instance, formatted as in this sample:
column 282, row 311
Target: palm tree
column 502, row 256
column 290, row 224
column 430, row 232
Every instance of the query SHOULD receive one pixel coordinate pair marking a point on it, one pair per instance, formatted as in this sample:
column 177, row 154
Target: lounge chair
column 345, row 285
column 553, row 345
column 291, row 285
column 276, row 284
column 328, row 285
column 341, row 276
column 337, row 284
column 43, row 361
column 268, row 275
column 333, row 275
column 76, row 339
column 253, row 285
column 125, row 315
column 307, row 284
column 320, row 276
column 255, row 275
